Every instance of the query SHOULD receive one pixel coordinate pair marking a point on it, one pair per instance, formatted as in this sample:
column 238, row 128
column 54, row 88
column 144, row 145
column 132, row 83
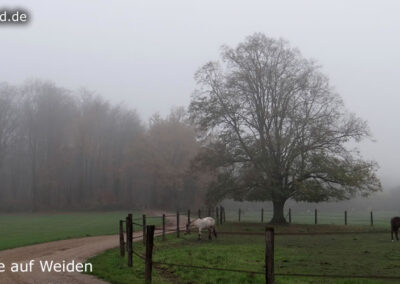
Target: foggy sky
column 144, row 53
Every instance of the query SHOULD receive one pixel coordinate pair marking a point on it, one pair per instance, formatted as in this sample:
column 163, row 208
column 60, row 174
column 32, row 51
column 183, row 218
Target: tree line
column 64, row 150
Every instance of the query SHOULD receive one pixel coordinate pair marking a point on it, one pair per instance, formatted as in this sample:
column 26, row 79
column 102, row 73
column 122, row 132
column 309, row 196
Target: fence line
column 314, row 217
column 138, row 255
column 338, row 276
column 304, row 233
column 250, row 216
column 276, row 274
column 269, row 262
column 150, row 232
column 279, row 274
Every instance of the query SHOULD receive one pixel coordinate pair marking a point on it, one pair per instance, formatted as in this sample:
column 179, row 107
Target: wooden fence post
column 144, row 228
column 262, row 215
column 149, row 253
column 372, row 219
column 177, row 224
column 221, row 210
column 269, row 255
column 239, row 214
column 129, row 229
column 345, row 217
column 209, row 211
column 316, row 216
column 290, row 216
column 188, row 216
column 163, row 227
column 121, row 238
column 217, row 215
column 126, row 232
column 199, row 213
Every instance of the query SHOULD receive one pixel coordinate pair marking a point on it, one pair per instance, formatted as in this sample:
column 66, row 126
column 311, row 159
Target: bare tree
column 47, row 116
column 8, row 117
column 276, row 130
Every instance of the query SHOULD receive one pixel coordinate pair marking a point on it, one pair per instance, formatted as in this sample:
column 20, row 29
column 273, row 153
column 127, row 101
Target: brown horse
column 395, row 223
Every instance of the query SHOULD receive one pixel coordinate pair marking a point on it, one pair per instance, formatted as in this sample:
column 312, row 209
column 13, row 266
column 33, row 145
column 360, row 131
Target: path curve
column 78, row 250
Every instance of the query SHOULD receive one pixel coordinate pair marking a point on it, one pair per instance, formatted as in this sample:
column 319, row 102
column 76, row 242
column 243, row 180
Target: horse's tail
column 395, row 223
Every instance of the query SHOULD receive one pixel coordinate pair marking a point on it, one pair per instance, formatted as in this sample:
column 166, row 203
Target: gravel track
column 78, row 250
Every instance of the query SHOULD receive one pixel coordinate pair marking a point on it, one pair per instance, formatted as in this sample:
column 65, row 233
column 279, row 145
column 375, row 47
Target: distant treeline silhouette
column 61, row 150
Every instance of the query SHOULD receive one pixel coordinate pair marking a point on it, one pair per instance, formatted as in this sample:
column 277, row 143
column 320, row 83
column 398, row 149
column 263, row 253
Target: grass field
column 26, row 229
column 370, row 254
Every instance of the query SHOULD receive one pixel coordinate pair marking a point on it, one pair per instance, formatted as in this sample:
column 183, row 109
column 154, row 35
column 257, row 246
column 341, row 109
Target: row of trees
column 60, row 150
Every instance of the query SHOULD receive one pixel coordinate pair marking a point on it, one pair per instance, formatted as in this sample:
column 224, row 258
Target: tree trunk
column 278, row 218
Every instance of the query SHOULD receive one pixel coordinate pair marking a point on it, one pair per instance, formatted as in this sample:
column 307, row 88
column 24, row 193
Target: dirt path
column 78, row 250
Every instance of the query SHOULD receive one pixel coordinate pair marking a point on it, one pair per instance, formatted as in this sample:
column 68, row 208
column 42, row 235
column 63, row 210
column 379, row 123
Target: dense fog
column 61, row 150
column 94, row 99
column 74, row 150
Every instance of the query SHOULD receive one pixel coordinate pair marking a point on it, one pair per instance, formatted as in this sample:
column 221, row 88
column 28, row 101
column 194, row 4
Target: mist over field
column 96, row 99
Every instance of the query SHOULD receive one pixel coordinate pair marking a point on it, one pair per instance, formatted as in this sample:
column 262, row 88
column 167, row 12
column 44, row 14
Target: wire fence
column 279, row 274
column 315, row 216
column 161, row 231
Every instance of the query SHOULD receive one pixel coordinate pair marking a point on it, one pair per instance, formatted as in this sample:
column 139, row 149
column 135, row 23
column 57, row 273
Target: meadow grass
column 25, row 229
column 335, row 254
column 112, row 268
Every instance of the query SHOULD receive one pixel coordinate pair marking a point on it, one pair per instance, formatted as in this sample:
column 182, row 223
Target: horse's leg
column 397, row 234
column 199, row 234
column 215, row 232
column 209, row 234
column 392, row 234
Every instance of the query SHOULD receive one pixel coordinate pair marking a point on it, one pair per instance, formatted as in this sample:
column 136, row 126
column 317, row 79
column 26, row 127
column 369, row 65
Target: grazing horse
column 203, row 223
column 395, row 224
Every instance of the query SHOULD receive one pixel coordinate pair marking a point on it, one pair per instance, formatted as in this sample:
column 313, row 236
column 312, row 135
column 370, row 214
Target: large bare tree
column 276, row 130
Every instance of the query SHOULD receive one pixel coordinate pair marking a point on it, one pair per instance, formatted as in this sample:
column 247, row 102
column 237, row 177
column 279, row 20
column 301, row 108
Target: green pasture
column 25, row 229
column 380, row 218
column 367, row 252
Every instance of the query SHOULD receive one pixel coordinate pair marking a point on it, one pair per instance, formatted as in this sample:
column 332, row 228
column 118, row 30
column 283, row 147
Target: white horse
column 202, row 223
